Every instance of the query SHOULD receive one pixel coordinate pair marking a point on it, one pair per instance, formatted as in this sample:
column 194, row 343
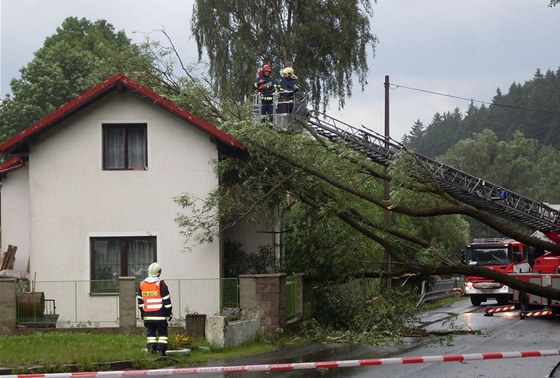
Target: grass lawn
column 58, row 351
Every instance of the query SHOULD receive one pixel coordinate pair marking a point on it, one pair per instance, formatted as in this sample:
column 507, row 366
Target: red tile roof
column 112, row 83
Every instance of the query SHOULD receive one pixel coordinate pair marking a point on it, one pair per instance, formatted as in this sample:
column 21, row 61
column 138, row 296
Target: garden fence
column 74, row 304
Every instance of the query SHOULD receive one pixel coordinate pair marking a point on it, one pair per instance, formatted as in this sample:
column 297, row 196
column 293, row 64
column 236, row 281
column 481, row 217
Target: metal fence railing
column 440, row 289
column 76, row 304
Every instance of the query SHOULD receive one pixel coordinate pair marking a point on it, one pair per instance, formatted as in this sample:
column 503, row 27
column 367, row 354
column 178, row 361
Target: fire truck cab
column 493, row 253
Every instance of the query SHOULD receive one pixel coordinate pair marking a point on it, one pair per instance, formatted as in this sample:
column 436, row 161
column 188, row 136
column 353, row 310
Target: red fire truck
column 493, row 253
column 541, row 268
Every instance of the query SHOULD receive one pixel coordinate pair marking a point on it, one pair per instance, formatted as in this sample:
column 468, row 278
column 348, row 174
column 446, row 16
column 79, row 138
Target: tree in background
column 531, row 108
column 519, row 164
column 326, row 43
column 416, row 133
column 78, row 56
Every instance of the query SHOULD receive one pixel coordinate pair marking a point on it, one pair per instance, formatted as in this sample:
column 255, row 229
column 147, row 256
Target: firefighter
column 266, row 86
column 289, row 81
column 289, row 85
column 155, row 307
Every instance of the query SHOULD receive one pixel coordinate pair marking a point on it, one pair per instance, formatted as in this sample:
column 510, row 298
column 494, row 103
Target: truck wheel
column 476, row 300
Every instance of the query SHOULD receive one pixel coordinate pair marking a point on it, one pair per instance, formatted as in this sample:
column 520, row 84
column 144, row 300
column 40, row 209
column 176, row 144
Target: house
column 88, row 191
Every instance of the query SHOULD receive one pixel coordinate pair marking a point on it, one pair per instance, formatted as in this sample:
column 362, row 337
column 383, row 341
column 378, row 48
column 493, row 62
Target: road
column 503, row 332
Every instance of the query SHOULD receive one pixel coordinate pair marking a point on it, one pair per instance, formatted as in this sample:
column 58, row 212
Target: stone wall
column 7, row 306
column 265, row 293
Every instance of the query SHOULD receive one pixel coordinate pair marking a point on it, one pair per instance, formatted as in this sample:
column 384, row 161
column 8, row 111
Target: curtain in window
column 114, row 147
column 141, row 253
column 136, row 147
column 107, row 259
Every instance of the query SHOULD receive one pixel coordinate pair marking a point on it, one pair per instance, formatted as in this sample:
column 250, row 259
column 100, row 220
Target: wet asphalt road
column 503, row 332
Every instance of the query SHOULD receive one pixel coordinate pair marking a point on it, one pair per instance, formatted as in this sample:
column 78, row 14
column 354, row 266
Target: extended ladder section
column 474, row 191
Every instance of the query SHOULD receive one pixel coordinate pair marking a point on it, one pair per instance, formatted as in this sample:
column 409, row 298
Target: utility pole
column 386, row 192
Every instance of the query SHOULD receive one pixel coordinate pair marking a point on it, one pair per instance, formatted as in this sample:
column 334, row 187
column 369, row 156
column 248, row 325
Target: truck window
column 487, row 256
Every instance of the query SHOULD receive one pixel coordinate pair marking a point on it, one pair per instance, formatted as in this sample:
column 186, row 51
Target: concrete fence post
column 127, row 303
column 265, row 293
column 8, row 310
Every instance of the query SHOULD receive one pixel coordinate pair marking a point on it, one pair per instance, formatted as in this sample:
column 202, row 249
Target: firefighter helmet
column 154, row 270
column 266, row 68
column 288, row 71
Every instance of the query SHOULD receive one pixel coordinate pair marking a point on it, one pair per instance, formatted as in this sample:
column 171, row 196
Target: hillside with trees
column 514, row 142
column 532, row 108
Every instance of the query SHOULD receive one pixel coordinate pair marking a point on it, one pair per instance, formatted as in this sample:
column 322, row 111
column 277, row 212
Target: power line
column 396, row 86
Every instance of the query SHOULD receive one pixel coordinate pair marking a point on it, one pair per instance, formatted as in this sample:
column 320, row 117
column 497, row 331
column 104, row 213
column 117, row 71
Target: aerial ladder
column 466, row 188
column 477, row 192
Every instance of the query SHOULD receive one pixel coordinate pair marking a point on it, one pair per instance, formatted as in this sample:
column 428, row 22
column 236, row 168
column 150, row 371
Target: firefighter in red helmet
column 155, row 307
column 265, row 86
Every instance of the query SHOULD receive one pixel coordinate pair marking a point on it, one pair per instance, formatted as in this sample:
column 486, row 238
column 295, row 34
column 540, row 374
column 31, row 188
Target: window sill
column 104, row 294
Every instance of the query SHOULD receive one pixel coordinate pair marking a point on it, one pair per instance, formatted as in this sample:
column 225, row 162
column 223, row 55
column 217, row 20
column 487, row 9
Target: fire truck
column 542, row 268
column 498, row 254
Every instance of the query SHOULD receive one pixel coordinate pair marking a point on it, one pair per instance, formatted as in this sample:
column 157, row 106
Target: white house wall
column 73, row 198
column 253, row 235
column 15, row 216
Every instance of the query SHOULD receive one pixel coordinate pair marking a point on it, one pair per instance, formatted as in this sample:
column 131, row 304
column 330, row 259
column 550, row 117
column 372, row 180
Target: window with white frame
column 125, row 146
column 113, row 257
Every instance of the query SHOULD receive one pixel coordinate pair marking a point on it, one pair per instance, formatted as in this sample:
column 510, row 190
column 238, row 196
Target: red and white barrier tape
column 298, row 366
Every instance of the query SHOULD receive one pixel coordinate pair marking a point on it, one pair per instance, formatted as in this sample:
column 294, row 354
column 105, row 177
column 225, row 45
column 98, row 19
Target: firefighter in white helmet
column 289, row 85
column 155, row 307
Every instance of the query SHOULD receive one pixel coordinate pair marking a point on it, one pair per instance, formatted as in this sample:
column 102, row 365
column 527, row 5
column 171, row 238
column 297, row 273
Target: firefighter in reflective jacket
column 155, row 307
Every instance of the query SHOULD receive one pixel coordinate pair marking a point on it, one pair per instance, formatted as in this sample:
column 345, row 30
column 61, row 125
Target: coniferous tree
column 416, row 133
column 531, row 108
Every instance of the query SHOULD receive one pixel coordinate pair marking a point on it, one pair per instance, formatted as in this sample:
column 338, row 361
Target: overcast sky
column 463, row 48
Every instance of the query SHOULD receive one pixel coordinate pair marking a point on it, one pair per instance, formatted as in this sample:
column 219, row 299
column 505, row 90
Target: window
column 112, row 257
column 125, row 146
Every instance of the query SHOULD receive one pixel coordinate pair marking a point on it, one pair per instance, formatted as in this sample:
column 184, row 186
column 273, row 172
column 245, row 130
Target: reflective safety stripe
column 152, row 303
column 162, row 340
column 154, row 318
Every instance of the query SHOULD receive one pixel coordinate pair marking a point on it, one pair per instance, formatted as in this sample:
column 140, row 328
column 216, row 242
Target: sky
column 457, row 48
